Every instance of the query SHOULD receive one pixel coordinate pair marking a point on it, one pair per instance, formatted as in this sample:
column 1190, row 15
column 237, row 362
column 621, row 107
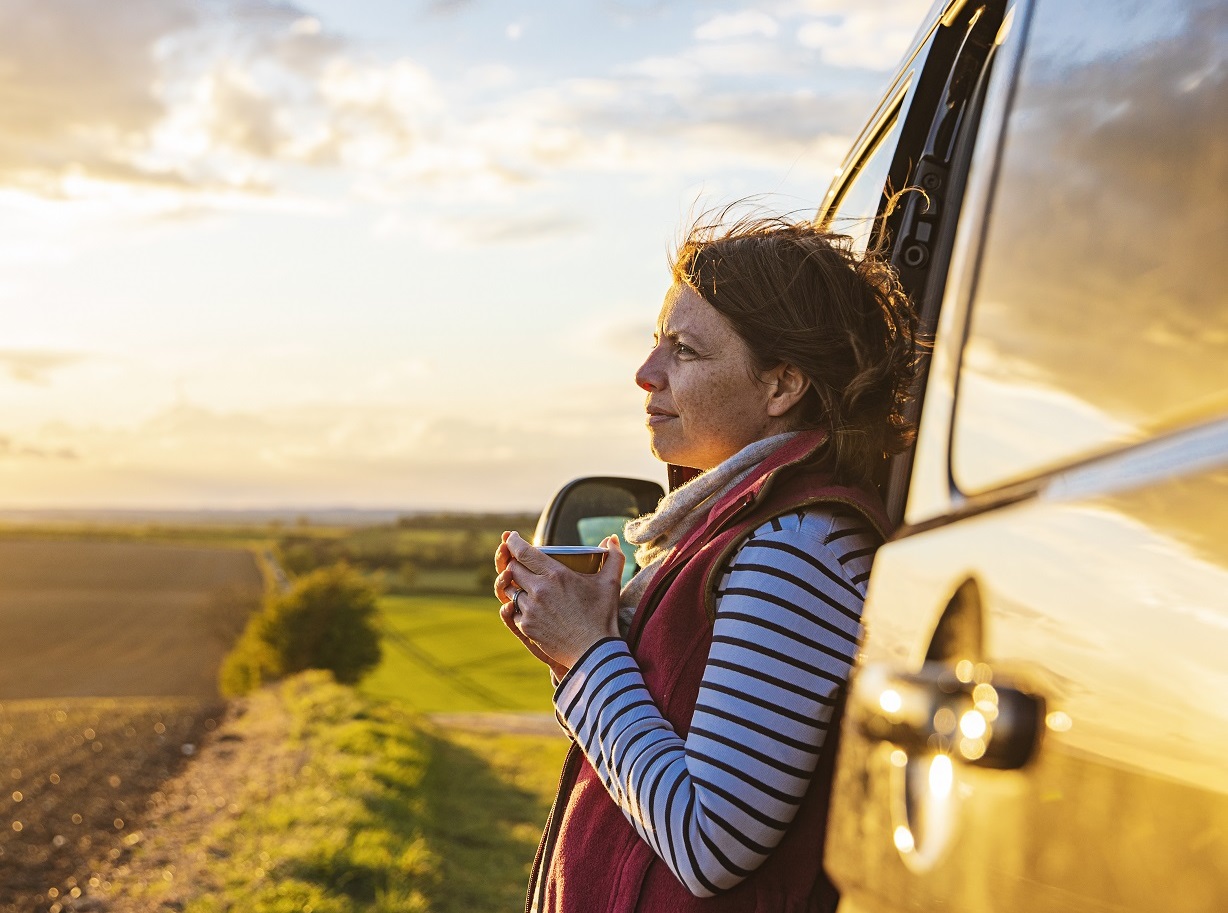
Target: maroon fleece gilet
column 591, row 860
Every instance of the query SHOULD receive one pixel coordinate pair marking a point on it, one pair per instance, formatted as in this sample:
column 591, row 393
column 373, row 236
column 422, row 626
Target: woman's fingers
column 533, row 560
column 508, row 616
column 505, row 557
column 561, row 612
column 615, row 558
column 505, row 582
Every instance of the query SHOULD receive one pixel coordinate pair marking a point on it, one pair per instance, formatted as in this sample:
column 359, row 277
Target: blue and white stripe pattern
column 713, row 806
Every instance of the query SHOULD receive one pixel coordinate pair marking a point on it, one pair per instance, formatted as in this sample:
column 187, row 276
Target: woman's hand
column 561, row 612
column 507, row 612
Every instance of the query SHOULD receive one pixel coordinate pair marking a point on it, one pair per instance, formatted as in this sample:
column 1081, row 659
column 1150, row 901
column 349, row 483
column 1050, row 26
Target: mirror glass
column 587, row 510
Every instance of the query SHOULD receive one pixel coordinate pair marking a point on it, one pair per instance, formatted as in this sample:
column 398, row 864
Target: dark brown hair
column 799, row 295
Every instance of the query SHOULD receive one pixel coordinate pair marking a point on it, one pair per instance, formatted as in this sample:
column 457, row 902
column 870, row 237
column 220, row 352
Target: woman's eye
column 683, row 349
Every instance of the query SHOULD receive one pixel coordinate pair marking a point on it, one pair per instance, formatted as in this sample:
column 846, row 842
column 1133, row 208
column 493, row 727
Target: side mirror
column 586, row 510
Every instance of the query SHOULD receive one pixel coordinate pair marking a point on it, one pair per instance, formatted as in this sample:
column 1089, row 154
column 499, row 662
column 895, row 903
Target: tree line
column 440, row 541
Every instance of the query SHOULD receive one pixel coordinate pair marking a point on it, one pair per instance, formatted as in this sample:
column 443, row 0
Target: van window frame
column 913, row 98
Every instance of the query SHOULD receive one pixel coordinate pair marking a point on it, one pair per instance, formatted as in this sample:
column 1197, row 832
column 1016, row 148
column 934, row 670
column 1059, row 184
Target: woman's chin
column 665, row 449
column 679, row 456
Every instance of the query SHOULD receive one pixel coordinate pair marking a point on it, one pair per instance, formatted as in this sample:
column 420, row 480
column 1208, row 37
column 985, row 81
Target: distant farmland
column 100, row 619
column 108, row 677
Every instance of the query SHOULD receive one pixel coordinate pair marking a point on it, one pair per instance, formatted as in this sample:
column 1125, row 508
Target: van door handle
column 979, row 721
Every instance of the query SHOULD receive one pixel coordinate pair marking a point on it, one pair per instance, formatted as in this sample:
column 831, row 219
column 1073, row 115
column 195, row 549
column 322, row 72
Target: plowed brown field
column 108, row 677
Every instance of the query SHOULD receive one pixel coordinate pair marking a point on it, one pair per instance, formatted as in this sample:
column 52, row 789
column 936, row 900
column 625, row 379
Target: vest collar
column 745, row 494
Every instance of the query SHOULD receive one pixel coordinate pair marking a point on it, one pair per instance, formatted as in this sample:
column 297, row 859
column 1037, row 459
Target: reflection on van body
column 1121, row 623
column 1103, row 272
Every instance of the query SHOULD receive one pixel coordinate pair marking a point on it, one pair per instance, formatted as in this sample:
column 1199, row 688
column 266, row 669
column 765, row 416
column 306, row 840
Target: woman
column 702, row 700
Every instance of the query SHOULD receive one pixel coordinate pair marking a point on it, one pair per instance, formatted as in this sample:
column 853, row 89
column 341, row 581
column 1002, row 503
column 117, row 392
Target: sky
column 369, row 253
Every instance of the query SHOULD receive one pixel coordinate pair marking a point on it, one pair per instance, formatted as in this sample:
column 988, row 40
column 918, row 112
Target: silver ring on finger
column 516, row 601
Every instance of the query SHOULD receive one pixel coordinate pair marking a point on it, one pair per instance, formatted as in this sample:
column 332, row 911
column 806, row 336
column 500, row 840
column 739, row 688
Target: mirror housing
column 586, row 510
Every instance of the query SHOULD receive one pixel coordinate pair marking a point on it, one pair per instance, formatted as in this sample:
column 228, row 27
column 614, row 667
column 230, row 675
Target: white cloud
column 737, row 25
column 220, row 100
column 699, row 65
column 308, row 25
column 873, row 38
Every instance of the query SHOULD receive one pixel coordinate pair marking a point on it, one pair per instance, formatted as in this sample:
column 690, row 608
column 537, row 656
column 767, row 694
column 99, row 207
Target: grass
column 487, row 797
column 343, row 832
column 391, row 811
column 369, row 809
column 453, row 654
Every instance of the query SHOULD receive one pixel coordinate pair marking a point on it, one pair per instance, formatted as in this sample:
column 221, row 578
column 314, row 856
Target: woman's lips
column 656, row 418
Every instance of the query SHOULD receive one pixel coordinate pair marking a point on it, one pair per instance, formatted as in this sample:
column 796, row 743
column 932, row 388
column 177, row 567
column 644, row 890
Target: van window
column 1099, row 317
column 855, row 207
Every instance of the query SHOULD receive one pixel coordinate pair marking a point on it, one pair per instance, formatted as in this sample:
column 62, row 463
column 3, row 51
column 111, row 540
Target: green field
column 453, row 654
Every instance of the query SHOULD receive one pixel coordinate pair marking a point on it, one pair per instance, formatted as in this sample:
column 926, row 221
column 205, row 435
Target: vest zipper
column 656, row 592
column 545, row 846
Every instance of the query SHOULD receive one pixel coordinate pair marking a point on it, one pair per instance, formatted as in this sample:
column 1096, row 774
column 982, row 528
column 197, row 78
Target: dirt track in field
column 108, row 679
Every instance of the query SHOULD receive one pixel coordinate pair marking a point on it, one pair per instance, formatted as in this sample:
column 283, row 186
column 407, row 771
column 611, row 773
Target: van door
column 1040, row 717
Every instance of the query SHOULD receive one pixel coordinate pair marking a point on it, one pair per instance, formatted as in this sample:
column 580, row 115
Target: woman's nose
column 647, row 377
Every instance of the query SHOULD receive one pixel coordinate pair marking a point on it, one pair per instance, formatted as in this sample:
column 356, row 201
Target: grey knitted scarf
column 658, row 533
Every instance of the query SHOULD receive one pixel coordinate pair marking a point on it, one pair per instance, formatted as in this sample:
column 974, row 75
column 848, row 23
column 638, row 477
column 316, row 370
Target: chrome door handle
column 936, row 709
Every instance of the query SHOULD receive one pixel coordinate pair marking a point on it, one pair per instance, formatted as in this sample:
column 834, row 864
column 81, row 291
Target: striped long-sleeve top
column 715, row 804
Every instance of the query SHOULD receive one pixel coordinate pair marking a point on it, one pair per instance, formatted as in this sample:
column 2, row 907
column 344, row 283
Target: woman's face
column 704, row 401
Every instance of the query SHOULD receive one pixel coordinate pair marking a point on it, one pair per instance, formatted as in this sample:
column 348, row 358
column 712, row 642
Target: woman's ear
column 788, row 386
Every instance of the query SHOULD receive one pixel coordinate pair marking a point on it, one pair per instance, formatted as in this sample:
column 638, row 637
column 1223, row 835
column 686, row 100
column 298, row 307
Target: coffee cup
column 585, row 559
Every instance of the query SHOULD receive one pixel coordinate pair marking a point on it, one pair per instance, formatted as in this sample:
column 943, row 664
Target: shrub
column 326, row 621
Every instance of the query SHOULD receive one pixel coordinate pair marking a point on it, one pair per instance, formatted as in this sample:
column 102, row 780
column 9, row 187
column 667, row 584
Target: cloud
column 481, row 230
column 738, row 96
column 78, row 88
column 737, row 25
column 528, row 228
column 32, row 366
column 654, row 124
column 165, row 94
column 322, row 454
column 448, row 7
column 201, row 105
column 307, row 25
column 14, row 451
column 873, row 38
